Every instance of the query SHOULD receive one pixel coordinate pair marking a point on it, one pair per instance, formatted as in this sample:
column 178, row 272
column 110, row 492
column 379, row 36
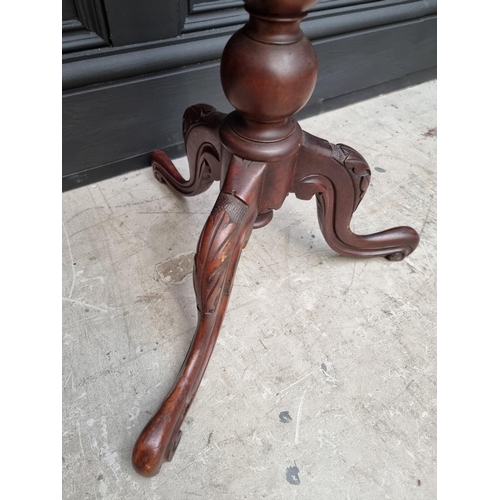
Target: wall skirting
column 121, row 103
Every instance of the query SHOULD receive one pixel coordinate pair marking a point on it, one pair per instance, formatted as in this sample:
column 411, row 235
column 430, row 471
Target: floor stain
column 147, row 298
column 432, row 132
column 175, row 270
column 292, row 475
column 285, row 417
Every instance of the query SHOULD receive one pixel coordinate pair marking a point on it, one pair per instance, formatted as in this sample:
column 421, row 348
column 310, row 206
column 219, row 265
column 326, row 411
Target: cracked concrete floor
column 323, row 380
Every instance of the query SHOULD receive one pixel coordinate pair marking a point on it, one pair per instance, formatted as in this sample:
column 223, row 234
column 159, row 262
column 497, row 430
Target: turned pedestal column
column 260, row 154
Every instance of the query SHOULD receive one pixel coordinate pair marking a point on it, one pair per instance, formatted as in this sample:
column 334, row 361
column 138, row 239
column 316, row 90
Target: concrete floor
column 323, row 381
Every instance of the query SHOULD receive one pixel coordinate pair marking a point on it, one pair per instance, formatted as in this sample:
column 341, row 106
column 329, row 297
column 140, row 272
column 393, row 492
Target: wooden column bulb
column 260, row 154
column 277, row 75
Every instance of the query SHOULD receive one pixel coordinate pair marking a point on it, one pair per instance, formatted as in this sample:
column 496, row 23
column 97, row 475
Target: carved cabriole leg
column 200, row 128
column 339, row 177
column 268, row 73
column 225, row 234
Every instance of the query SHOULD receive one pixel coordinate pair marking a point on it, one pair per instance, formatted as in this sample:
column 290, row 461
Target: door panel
column 84, row 25
column 69, row 10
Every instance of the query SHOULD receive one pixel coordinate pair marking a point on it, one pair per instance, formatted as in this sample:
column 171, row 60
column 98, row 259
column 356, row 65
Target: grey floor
column 323, row 381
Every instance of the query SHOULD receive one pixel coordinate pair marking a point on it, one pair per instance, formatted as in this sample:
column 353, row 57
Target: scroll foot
column 225, row 234
column 339, row 177
column 201, row 137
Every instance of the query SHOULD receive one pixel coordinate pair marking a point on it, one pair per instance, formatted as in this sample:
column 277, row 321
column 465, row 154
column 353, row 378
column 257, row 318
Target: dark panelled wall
column 125, row 87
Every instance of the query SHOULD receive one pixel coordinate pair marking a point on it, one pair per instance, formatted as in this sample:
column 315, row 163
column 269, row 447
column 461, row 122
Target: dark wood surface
column 144, row 21
column 69, row 10
column 260, row 154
